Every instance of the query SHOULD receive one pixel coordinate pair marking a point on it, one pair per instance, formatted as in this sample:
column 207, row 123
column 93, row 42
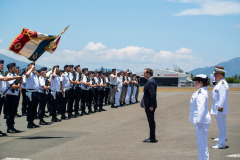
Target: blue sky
column 132, row 34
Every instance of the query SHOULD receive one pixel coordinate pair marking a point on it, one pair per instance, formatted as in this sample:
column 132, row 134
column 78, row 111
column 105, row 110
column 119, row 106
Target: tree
column 177, row 69
column 232, row 80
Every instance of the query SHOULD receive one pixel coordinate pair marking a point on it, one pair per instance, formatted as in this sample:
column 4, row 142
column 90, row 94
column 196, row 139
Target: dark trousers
column 84, row 99
column 18, row 102
column 95, row 98
column 49, row 101
column 42, row 105
column 90, row 99
column 32, row 107
column 77, row 98
column 107, row 90
column 101, row 97
column 55, row 103
column 65, row 101
column 2, row 101
column 71, row 96
column 12, row 109
column 151, row 122
column 24, row 101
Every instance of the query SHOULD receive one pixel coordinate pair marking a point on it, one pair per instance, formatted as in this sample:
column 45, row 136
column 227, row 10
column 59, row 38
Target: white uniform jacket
column 220, row 97
column 199, row 107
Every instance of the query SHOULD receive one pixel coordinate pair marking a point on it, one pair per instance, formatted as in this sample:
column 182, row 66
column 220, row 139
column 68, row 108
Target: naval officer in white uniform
column 199, row 115
column 220, row 106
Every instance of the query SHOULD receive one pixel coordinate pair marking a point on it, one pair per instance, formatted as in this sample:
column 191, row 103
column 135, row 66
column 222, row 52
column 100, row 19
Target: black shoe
column 85, row 113
column 15, row 130
column 55, row 119
column 150, row 140
column 63, row 117
column 45, row 115
column 42, row 122
column 71, row 116
column 17, row 115
column 113, row 106
column 90, row 111
column 96, row 110
column 3, row 134
column 101, row 109
column 30, row 125
column 35, row 126
column 24, row 114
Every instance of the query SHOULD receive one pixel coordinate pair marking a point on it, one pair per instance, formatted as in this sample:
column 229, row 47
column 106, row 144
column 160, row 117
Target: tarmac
column 118, row 134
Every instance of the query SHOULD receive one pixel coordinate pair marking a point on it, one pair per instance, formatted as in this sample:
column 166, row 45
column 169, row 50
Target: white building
column 168, row 78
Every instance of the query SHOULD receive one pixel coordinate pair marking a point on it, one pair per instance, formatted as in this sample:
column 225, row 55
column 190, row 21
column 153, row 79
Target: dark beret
column 56, row 66
column 84, row 69
column 10, row 65
column 114, row 69
column 66, row 66
column 76, row 67
column 17, row 67
column 1, row 61
column 71, row 66
column 43, row 69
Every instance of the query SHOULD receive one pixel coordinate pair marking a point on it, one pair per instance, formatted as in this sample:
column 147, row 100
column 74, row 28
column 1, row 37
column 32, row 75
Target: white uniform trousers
column 221, row 122
column 202, row 142
column 128, row 94
column 117, row 96
column 133, row 94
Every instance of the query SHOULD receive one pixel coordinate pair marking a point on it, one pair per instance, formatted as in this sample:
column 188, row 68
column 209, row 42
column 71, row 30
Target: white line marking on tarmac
column 234, row 155
column 15, row 159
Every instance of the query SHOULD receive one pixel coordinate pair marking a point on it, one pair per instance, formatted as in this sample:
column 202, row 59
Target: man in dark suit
column 149, row 102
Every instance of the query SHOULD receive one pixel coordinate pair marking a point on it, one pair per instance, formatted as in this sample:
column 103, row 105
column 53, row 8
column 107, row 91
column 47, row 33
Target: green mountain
column 232, row 67
column 21, row 64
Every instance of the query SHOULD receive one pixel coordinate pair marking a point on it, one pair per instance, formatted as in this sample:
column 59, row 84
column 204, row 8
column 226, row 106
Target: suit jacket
column 150, row 94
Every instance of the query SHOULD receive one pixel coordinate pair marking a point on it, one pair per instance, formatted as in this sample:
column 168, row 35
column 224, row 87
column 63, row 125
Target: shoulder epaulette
column 199, row 91
column 222, row 82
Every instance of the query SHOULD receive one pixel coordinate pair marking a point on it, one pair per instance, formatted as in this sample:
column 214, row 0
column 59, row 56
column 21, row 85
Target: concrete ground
column 118, row 133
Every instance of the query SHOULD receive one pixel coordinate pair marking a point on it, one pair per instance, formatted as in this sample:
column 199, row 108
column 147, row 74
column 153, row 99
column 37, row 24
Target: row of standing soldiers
column 70, row 93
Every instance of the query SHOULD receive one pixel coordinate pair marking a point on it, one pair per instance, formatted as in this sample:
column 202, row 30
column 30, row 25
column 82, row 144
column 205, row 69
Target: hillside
column 232, row 68
column 21, row 64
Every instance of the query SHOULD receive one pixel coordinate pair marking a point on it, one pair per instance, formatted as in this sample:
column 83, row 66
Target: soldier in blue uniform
column 43, row 92
column 11, row 128
column 85, row 90
column 101, row 89
column 78, row 89
column 65, row 87
column 32, row 86
column 95, row 90
column 90, row 93
column 72, row 91
column 56, row 95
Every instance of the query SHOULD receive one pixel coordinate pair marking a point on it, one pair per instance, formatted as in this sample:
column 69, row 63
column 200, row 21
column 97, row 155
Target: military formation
column 64, row 94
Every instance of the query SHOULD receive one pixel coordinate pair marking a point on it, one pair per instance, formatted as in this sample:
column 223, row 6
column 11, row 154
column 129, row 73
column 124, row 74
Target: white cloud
column 130, row 57
column 95, row 47
column 210, row 7
column 96, row 55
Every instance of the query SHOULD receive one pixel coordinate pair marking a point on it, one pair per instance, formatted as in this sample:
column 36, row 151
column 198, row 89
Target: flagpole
column 33, row 62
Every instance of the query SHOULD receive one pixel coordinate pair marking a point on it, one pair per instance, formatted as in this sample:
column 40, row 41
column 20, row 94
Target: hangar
column 168, row 78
